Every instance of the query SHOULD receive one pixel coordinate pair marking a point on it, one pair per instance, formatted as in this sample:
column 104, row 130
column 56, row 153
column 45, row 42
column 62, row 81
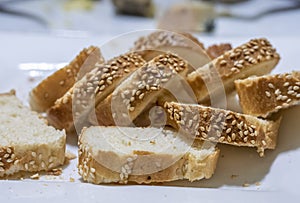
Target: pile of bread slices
column 148, row 115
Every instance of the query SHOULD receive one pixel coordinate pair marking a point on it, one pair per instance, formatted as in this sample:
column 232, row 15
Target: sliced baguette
column 44, row 95
column 256, row 57
column 223, row 126
column 183, row 44
column 139, row 91
column 142, row 155
column 94, row 87
column 26, row 142
column 265, row 95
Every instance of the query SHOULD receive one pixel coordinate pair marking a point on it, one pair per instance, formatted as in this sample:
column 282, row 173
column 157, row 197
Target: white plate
column 273, row 178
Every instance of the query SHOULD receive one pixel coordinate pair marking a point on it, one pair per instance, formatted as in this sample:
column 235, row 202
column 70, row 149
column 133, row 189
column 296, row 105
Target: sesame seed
column 277, row 92
column 228, row 130
column 268, row 94
column 270, row 85
column 264, row 142
column 298, row 95
column 252, row 142
column 286, row 84
column 295, row 88
column 221, row 139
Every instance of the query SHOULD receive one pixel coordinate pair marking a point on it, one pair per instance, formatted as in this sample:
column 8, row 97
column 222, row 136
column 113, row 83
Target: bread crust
column 184, row 45
column 263, row 96
column 223, row 126
column 189, row 167
column 140, row 90
column 256, row 57
column 94, row 87
column 44, row 95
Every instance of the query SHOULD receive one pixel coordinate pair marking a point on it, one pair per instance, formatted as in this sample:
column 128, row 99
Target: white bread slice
column 94, row 87
column 256, row 57
column 182, row 44
column 265, row 95
column 223, row 126
column 43, row 96
column 142, row 155
column 139, row 91
column 26, row 142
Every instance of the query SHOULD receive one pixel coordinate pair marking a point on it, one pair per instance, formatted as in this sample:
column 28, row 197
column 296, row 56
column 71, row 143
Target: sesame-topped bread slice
column 183, row 44
column 27, row 143
column 142, row 155
column 140, row 90
column 223, row 126
column 264, row 95
column 256, row 57
column 44, row 95
column 94, row 87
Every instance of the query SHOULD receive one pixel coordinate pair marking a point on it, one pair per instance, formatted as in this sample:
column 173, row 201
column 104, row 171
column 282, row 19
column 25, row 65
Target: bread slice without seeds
column 43, row 96
column 265, row 95
column 142, row 155
column 223, row 126
column 26, row 142
column 256, row 57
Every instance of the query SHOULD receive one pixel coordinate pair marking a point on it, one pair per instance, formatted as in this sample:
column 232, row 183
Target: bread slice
column 217, row 50
column 94, row 87
column 265, row 95
column 142, row 155
column 223, row 126
column 43, row 96
column 183, row 44
column 26, row 142
column 256, row 57
column 140, row 90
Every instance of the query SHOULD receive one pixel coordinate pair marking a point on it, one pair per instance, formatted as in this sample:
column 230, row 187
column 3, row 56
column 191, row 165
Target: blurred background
column 82, row 18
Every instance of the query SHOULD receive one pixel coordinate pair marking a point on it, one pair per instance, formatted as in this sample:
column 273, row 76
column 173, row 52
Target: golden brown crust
column 257, row 57
column 140, row 90
column 265, row 95
column 182, row 44
column 94, row 87
column 223, row 126
column 217, row 50
column 56, row 85
column 188, row 167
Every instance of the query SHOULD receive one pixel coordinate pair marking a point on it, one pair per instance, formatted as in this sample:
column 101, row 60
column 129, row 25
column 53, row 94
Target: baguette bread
column 26, row 142
column 223, row 126
column 256, row 57
column 139, row 91
column 265, row 95
column 182, row 44
column 44, row 95
column 142, row 155
column 94, row 87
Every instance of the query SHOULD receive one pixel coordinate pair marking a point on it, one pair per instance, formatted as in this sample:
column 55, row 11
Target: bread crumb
column 257, row 183
column 234, row 176
column 246, row 185
column 72, row 180
column 55, row 171
column 35, row 176
column 70, row 155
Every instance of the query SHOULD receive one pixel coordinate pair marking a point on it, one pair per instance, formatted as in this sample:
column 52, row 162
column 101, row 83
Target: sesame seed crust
column 166, row 38
column 256, row 57
column 265, row 95
column 144, row 86
column 44, row 95
column 93, row 88
column 223, row 126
